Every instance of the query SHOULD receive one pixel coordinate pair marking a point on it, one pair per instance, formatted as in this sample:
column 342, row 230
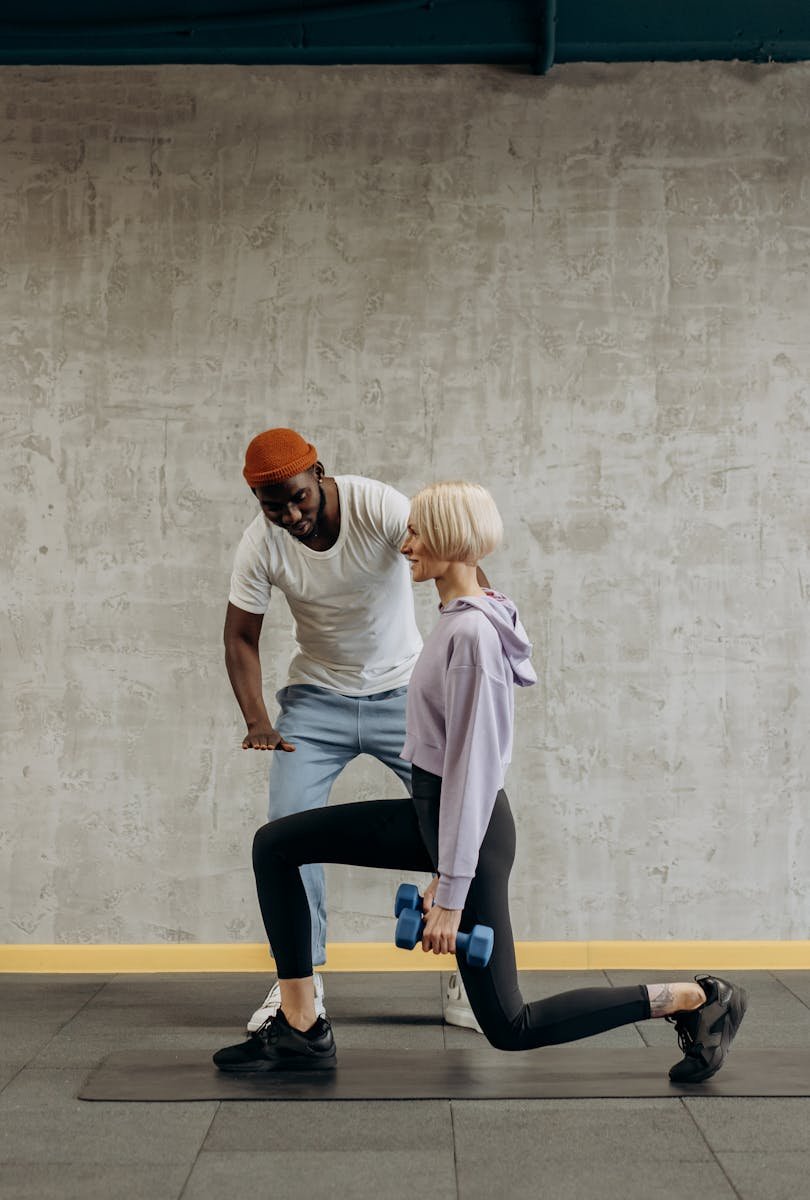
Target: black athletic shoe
column 705, row 1035
column 276, row 1046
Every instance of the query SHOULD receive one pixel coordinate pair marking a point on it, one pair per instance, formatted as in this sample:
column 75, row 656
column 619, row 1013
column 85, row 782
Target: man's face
column 293, row 504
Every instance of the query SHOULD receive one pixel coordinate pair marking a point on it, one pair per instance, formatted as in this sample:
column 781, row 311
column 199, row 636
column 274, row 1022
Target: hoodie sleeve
column 476, row 711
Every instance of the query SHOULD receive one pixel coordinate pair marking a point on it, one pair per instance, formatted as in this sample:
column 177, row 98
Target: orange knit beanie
column 275, row 455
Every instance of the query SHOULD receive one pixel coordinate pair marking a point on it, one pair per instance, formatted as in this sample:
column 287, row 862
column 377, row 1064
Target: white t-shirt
column 355, row 625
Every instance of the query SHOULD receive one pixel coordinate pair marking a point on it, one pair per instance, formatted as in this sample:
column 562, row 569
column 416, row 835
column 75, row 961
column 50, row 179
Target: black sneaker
column 705, row 1035
column 276, row 1046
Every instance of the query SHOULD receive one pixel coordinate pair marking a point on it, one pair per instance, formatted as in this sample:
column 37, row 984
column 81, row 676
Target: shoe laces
column 686, row 1039
column 268, row 1032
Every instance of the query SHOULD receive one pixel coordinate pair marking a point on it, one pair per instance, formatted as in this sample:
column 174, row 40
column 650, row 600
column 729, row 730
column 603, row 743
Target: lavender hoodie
column 459, row 722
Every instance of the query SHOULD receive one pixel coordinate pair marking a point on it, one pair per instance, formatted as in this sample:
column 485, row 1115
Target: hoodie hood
column 501, row 613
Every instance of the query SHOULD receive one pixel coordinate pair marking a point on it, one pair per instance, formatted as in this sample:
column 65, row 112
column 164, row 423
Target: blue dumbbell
column 407, row 897
column 475, row 946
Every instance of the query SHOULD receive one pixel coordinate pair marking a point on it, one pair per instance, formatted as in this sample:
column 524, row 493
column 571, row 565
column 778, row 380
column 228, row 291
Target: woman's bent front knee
column 268, row 843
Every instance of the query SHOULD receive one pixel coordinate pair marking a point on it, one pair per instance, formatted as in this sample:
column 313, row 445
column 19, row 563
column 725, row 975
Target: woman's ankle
column 666, row 999
column 300, row 1019
column 298, row 1002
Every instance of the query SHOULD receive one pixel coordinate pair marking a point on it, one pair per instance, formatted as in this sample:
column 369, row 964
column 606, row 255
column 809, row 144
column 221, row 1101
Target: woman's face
column 423, row 565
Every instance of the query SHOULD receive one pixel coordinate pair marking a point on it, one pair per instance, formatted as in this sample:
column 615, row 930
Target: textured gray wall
column 588, row 291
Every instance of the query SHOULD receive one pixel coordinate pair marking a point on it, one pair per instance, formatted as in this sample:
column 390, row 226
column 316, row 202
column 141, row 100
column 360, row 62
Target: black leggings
column 403, row 835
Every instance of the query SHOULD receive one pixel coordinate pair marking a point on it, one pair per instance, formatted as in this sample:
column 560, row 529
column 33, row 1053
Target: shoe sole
column 264, row 1066
column 736, row 1010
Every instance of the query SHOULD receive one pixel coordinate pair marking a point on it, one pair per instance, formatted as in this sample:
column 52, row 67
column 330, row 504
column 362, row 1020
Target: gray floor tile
column 658, row 1032
column 241, row 990
column 740, row 1123
column 582, row 1176
column 159, row 1015
column 767, row 1176
column 231, row 1000
column 389, row 1033
column 797, row 982
column 25, row 1036
column 360, row 1125
column 413, row 1010
column 385, row 999
column 86, row 1043
column 8, row 1072
column 537, row 1131
column 36, row 993
column 69, row 1181
column 55, row 1145
column 129, row 1019
column 362, row 1175
column 426, row 984
column 625, row 1035
column 42, row 1122
column 88, row 1039
column 246, row 990
column 775, row 1016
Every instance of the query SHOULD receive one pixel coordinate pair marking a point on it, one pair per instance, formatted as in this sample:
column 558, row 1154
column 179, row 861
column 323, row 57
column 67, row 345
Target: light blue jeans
column 328, row 730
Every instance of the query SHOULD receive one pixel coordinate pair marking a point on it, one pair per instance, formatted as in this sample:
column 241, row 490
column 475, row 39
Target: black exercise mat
column 557, row 1072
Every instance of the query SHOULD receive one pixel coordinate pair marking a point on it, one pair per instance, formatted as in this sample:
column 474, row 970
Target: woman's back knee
column 503, row 1040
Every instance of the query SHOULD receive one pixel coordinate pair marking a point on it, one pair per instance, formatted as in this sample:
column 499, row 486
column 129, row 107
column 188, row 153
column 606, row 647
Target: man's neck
column 327, row 526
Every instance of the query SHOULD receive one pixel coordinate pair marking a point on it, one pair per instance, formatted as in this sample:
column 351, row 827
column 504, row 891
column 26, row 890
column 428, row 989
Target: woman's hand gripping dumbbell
column 476, row 946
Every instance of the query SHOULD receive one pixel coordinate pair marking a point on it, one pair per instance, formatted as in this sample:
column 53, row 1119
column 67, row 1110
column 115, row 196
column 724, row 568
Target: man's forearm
column 245, row 673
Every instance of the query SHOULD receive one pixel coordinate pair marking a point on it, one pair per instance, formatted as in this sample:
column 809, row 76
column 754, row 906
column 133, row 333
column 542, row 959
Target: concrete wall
column 588, row 291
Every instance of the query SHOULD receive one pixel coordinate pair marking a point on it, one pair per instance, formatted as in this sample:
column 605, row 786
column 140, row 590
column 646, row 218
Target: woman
column 460, row 718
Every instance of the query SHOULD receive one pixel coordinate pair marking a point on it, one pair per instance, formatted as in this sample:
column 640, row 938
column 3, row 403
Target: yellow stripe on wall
column 382, row 956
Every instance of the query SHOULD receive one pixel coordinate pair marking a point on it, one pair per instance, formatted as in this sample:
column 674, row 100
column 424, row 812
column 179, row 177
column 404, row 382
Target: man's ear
column 318, row 468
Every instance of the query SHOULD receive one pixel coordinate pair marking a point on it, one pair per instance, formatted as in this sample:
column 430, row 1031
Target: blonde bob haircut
column 457, row 521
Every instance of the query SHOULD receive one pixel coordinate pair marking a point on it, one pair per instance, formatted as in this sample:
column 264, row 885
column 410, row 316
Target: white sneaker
column 272, row 1003
column 457, row 1009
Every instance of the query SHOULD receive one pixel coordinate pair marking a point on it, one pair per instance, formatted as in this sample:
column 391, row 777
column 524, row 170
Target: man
column 332, row 547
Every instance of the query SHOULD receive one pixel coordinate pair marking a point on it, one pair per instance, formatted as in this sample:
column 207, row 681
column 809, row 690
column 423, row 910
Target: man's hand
column 429, row 897
column 440, row 929
column 262, row 736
